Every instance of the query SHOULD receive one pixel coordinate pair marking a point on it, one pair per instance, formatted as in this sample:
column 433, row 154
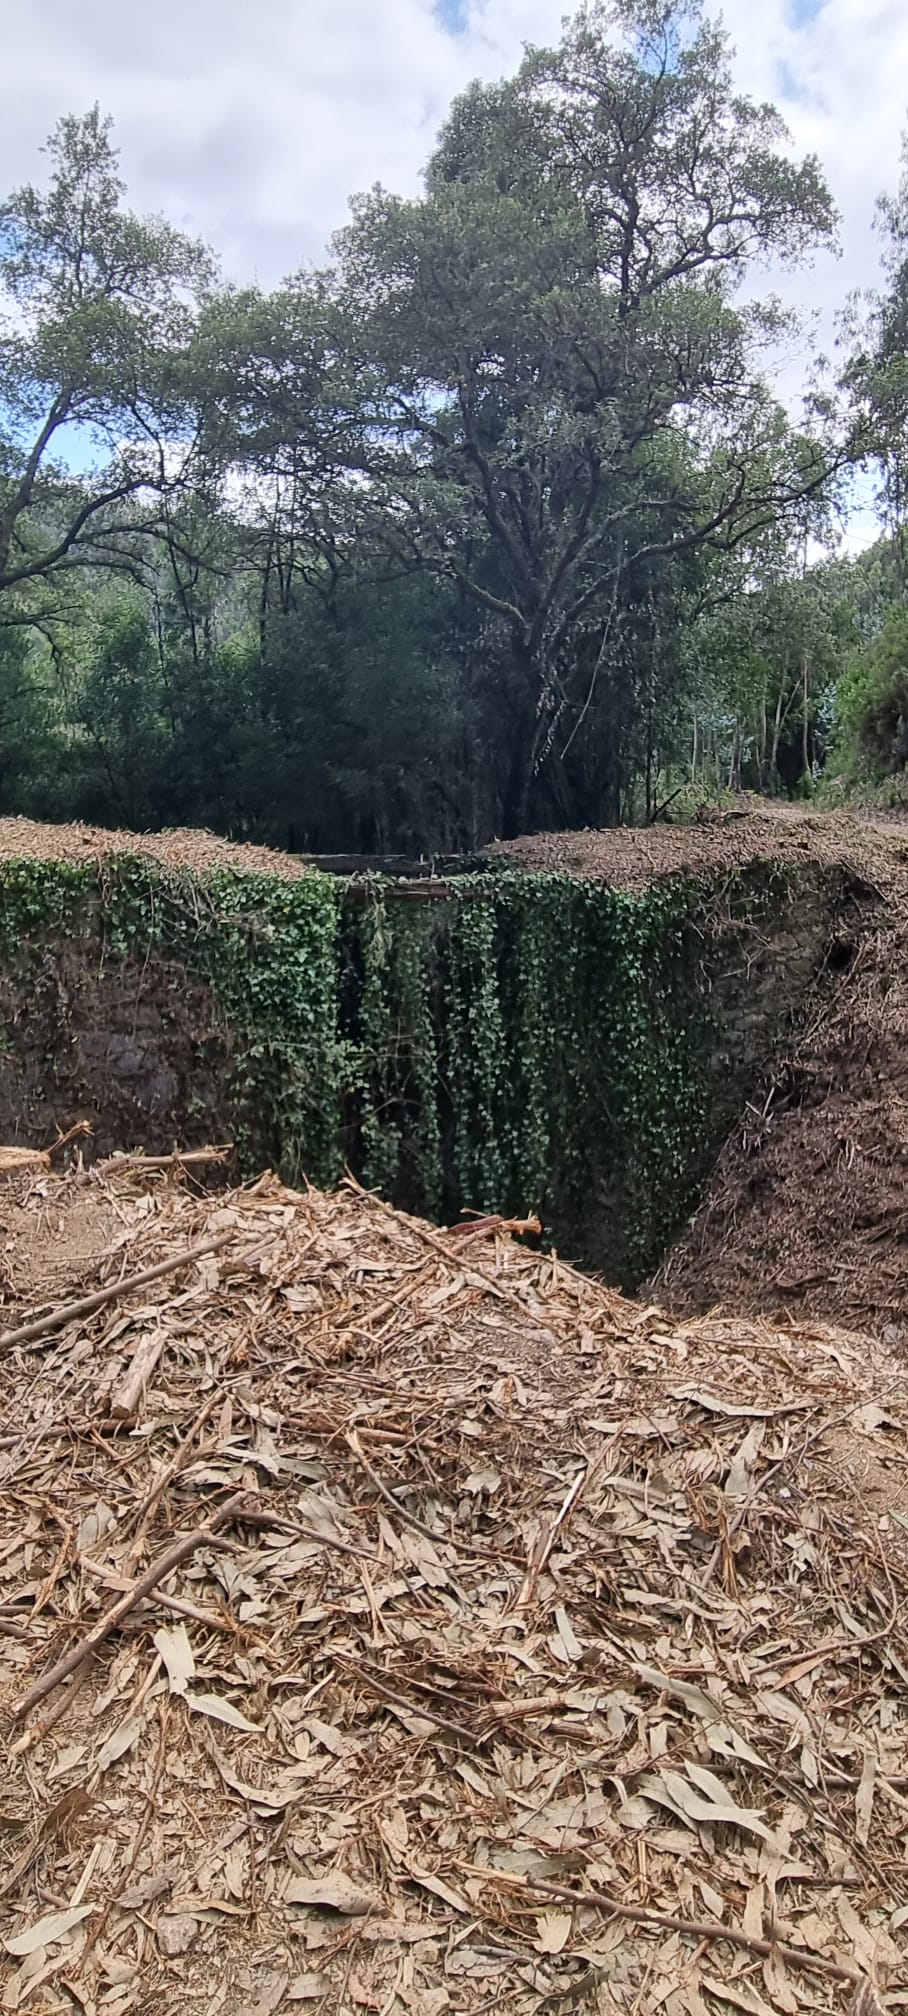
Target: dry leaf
column 177, row 1934
column 753, row 1911
column 554, row 1931
column 570, row 1643
column 361, row 1992
column 740, row 1994
column 670, row 1789
column 47, row 1931
column 334, row 1892
column 863, row 1798
column 220, row 1710
column 330, row 1738
column 120, row 1741
column 176, row 1652
column 739, row 1482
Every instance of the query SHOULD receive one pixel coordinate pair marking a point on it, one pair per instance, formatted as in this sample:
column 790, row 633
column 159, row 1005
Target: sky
column 250, row 122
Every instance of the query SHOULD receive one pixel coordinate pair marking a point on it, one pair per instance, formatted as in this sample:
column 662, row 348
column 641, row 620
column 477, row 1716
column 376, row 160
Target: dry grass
column 511, row 1623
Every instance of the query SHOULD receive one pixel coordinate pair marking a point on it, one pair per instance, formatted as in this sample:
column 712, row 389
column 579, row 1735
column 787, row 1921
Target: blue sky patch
column 801, row 11
column 453, row 15
column 788, row 83
column 77, row 448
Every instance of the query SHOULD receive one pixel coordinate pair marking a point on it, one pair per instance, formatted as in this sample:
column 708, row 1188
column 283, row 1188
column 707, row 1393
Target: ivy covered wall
column 524, row 1042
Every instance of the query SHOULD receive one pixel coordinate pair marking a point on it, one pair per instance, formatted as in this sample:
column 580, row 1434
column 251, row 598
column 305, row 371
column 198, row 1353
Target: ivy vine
column 527, row 1043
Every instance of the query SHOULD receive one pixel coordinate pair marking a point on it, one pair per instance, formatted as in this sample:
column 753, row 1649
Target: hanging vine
column 528, row 1043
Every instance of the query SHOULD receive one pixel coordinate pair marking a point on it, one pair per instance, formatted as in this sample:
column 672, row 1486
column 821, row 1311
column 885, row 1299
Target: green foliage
column 266, row 948
column 537, row 343
column 871, row 721
column 529, row 1043
column 95, row 313
column 407, row 552
column 533, row 1043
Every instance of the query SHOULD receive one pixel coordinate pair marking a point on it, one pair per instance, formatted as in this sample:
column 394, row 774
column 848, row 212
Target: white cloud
column 250, row 122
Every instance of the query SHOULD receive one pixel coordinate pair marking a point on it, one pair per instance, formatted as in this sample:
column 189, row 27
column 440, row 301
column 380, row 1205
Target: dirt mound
column 397, row 1619
column 808, row 1205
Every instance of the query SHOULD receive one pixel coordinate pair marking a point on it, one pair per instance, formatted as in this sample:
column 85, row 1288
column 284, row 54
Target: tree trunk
column 515, row 808
column 776, row 738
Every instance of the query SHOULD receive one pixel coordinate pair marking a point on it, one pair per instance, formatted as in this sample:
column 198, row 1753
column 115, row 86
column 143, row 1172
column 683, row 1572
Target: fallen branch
column 158, row 1572
column 710, row 1929
column 399, row 1701
column 71, row 1312
column 79, row 1132
column 296, row 1530
column 181, row 1158
column 487, row 1228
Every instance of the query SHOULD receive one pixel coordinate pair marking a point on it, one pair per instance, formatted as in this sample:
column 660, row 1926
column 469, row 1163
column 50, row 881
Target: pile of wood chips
column 395, row 1620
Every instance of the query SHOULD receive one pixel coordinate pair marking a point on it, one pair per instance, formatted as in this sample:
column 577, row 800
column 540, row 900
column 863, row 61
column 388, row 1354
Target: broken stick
column 124, row 1399
column 180, row 1158
column 159, row 1570
column 709, row 1929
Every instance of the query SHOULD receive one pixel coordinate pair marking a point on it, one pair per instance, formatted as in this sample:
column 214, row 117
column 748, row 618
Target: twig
column 170, row 1470
column 78, row 1132
column 637, row 1914
column 177, row 1604
column 54, row 1715
column 758, row 1491
column 409, row 1518
column 409, row 1707
column 544, row 1547
column 297, row 1530
column 139, row 1837
column 164, row 1566
column 70, row 1312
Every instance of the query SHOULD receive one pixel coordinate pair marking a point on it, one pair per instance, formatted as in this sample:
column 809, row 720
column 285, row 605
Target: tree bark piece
column 159, row 1570
column 124, row 1400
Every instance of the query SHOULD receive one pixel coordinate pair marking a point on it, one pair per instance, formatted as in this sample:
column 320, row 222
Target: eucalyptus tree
column 876, row 374
column 559, row 387
column 96, row 311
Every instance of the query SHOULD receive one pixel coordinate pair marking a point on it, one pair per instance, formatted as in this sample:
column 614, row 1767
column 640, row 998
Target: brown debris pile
column 397, row 1621
column 187, row 847
column 756, row 830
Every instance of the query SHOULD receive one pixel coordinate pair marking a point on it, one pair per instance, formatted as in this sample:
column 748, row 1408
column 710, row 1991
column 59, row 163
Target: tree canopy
column 496, row 521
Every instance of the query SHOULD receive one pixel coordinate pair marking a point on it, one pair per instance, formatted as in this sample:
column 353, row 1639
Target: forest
column 498, row 521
